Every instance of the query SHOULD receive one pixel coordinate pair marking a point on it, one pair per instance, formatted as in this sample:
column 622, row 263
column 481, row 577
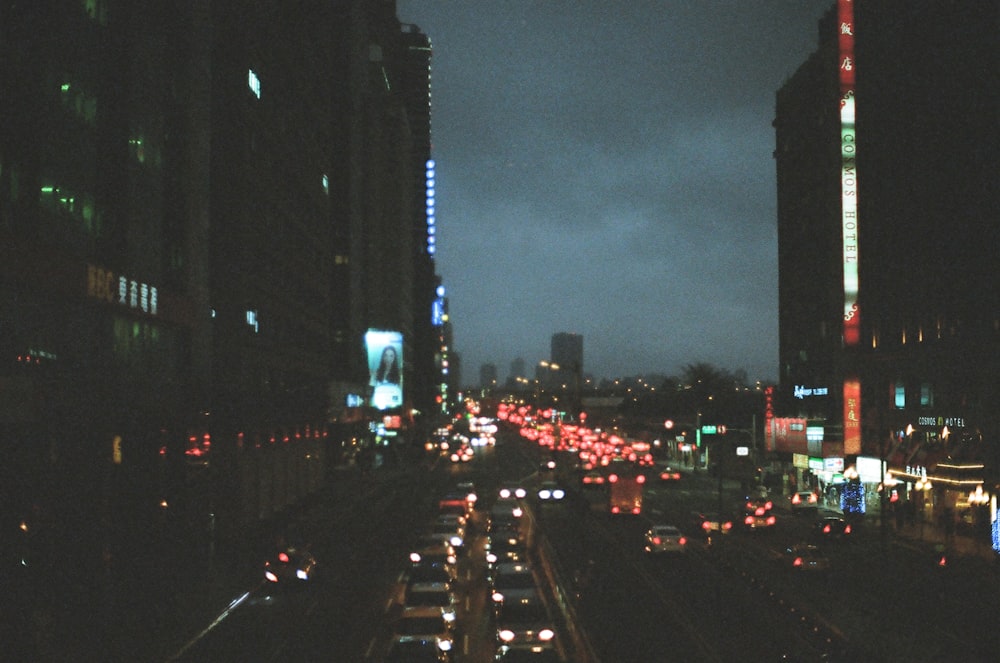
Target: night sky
column 605, row 168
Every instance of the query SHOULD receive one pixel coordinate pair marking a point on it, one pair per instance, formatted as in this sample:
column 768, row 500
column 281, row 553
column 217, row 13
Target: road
column 728, row 601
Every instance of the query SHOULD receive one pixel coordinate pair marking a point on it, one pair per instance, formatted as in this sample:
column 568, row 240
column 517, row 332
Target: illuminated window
column 899, row 395
column 926, row 395
column 254, row 82
column 96, row 10
column 75, row 99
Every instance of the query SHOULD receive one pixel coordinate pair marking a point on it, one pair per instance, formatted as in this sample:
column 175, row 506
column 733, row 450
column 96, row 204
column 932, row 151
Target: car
column 455, row 503
column 506, row 508
column 705, row 524
column 805, row 557
column 450, row 529
column 512, row 491
column 504, row 549
column 431, row 550
column 511, row 582
column 665, row 539
column 433, row 594
column 668, row 473
column 527, row 653
column 426, row 622
column 804, row 500
column 758, row 505
column 758, row 514
column 524, row 620
column 471, row 496
column 832, row 528
column 418, row 573
column 592, row 479
column 418, row 649
column 291, row 567
column 551, row 491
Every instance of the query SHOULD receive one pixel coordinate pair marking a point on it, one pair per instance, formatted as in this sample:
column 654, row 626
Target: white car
column 550, row 491
column 804, row 500
column 665, row 539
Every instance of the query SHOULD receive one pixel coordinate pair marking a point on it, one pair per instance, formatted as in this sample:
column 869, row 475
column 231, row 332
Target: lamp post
column 978, row 500
column 922, row 487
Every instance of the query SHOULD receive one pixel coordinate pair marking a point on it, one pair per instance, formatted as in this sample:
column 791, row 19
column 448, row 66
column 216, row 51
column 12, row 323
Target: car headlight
column 444, row 644
column 449, row 616
column 301, row 574
column 517, row 512
column 506, row 635
column 415, row 557
column 491, row 558
column 456, row 540
column 558, row 493
column 497, row 597
column 546, row 634
column 544, row 494
column 270, row 576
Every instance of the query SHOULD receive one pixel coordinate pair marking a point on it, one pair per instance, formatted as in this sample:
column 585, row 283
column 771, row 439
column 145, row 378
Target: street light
column 922, row 486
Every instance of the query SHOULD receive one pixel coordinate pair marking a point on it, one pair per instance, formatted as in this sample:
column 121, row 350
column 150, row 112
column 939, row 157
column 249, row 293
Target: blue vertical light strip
column 429, row 189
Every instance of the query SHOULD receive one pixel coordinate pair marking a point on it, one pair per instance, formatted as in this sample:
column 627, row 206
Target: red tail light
column 657, row 540
column 683, row 541
column 797, row 562
column 826, row 529
column 847, row 529
column 283, row 557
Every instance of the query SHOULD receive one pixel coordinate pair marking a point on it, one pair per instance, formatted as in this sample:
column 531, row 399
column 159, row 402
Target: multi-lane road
column 732, row 600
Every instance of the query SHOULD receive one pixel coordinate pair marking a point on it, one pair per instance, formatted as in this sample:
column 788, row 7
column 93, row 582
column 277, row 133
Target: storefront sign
column 105, row 285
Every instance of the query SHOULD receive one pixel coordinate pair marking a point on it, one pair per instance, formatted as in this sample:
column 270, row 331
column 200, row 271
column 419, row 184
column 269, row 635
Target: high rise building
column 203, row 206
column 887, row 156
column 567, row 351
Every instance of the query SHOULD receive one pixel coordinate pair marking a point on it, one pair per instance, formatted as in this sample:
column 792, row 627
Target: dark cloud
column 605, row 168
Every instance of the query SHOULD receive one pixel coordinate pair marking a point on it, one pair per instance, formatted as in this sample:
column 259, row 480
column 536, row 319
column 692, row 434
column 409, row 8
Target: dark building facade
column 203, row 206
column 895, row 213
column 103, row 295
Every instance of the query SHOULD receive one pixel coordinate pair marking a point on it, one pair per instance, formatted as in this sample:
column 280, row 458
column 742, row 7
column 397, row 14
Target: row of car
column 424, row 628
column 525, row 629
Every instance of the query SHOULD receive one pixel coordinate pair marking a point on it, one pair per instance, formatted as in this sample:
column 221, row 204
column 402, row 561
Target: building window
column 75, row 99
column 899, row 395
column 926, row 395
column 254, row 82
column 96, row 10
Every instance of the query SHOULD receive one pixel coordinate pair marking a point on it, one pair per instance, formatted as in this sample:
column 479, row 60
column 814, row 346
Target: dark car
column 291, row 567
column 832, row 528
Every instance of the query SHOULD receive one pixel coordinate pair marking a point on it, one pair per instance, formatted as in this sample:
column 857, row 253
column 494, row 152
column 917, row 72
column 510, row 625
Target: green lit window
column 65, row 203
column 926, row 395
column 97, row 10
column 75, row 99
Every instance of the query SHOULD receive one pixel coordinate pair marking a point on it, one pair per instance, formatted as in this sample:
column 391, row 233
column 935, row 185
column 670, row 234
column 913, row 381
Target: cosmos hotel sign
column 847, row 72
column 848, row 170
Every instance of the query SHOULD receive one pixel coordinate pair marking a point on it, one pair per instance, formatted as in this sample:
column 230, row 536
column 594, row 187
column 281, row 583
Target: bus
column 625, row 492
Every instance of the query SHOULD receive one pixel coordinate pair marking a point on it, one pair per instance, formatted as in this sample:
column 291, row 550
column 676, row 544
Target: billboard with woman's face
column 385, row 366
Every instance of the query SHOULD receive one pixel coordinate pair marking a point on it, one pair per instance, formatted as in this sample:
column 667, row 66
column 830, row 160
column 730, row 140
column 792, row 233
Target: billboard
column 385, row 367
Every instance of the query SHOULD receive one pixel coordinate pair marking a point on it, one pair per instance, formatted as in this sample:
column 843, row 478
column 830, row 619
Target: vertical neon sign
column 848, row 171
column 849, row 217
